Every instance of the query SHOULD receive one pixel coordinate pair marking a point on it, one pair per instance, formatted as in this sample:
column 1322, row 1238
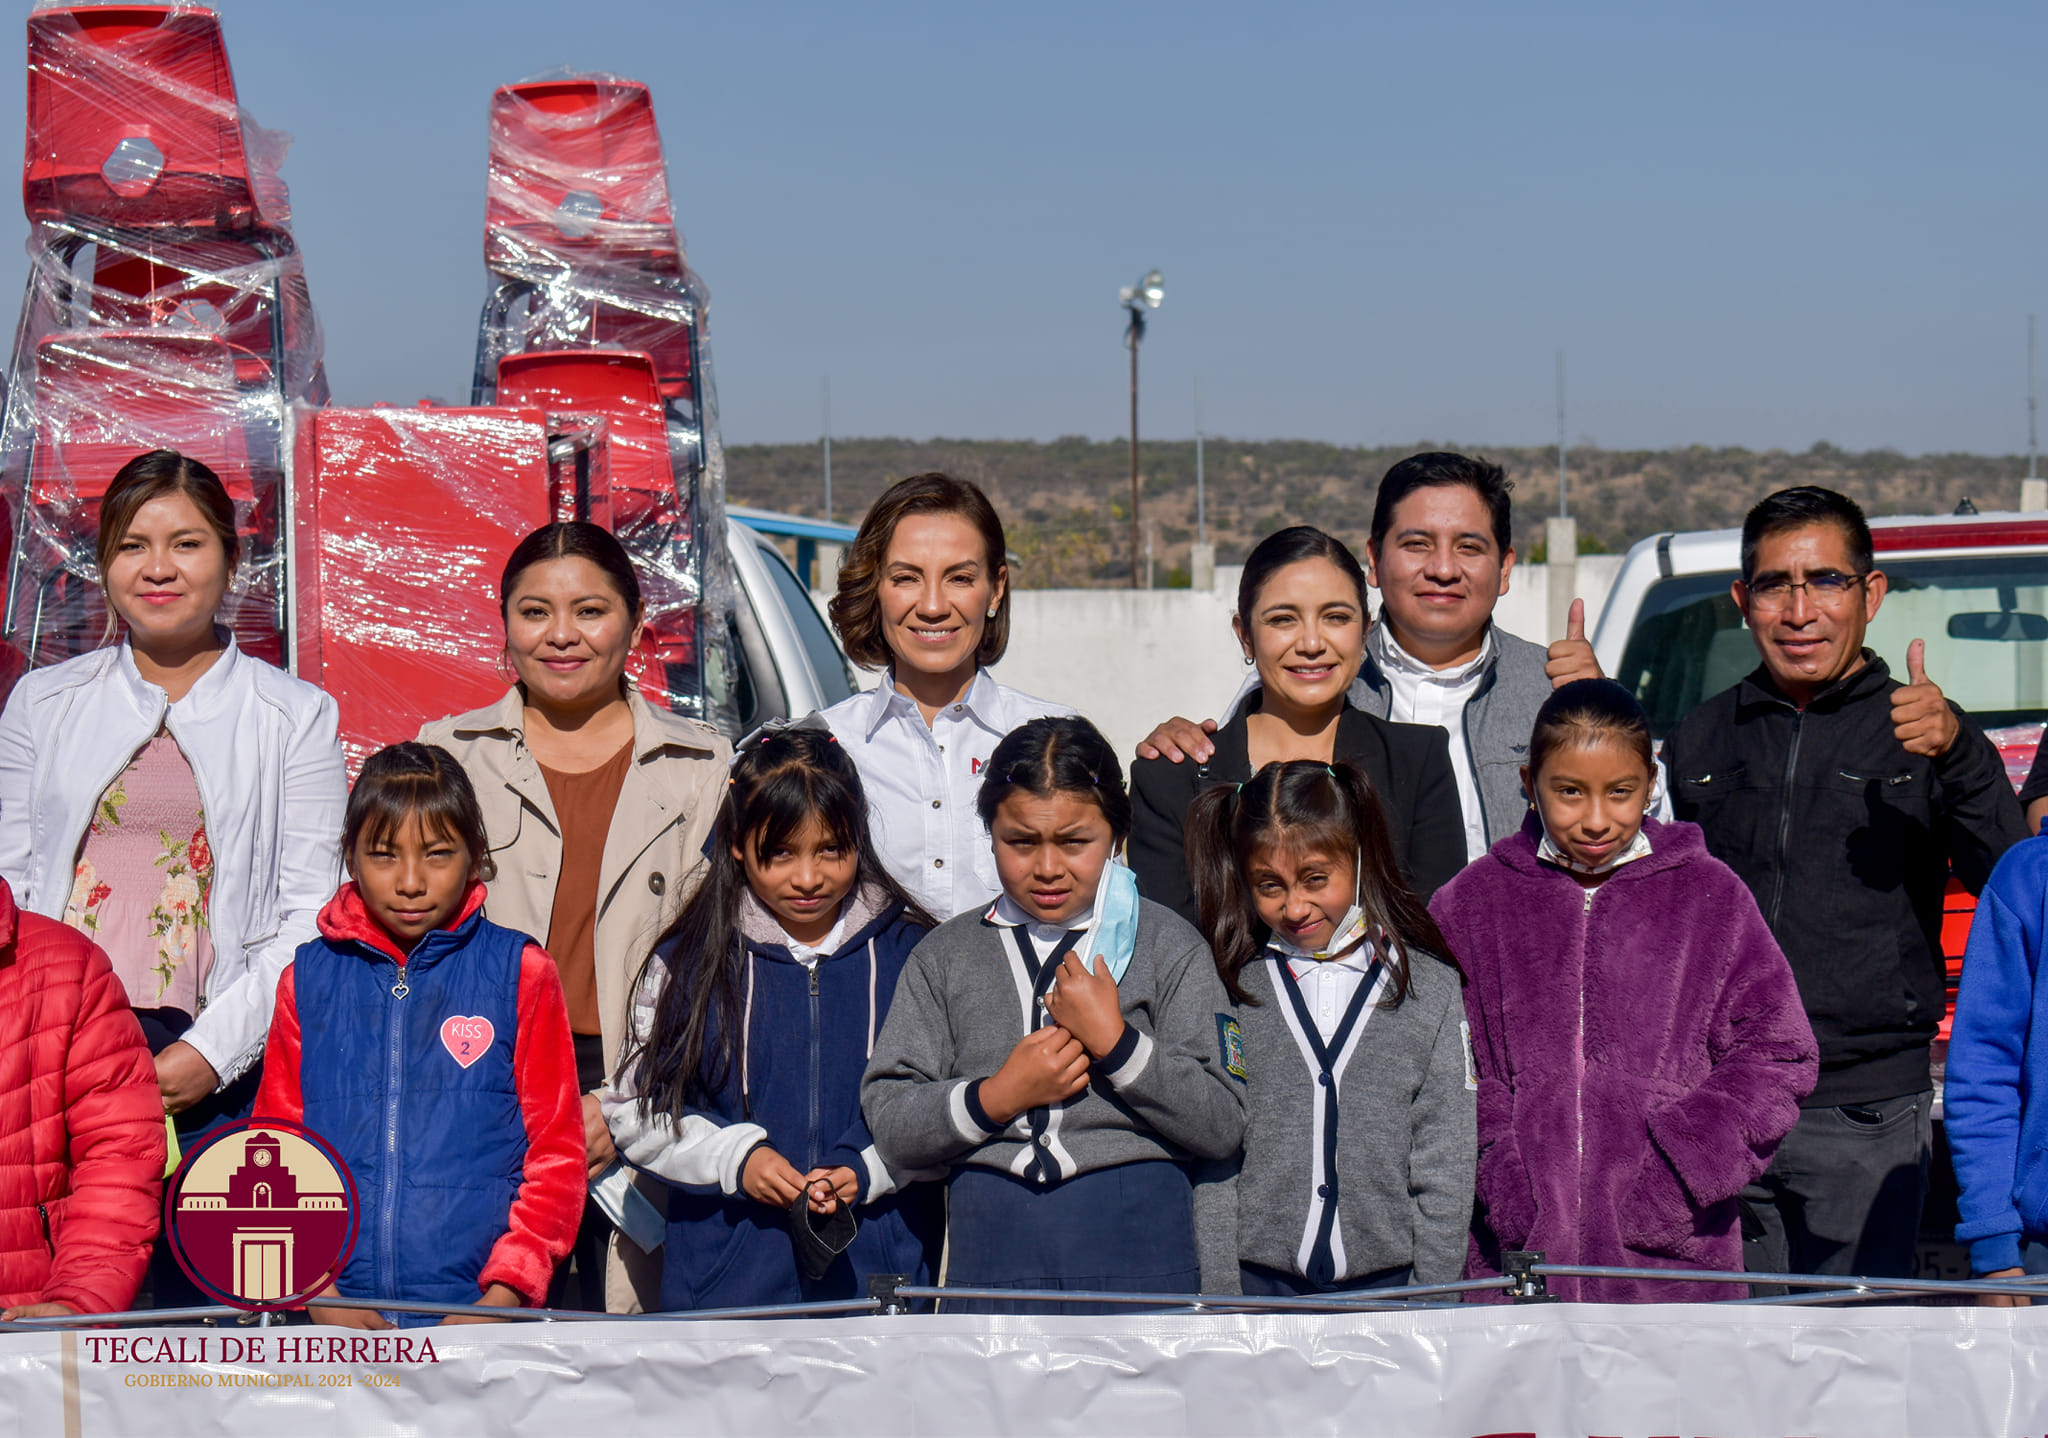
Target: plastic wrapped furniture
column 595, row 320
column 166, row 308
column 404, row 520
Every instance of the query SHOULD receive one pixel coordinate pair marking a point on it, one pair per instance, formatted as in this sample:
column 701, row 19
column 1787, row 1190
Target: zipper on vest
column 394, row 1083
column 1785, row 818
column 43, row 1209
column 815, row 1043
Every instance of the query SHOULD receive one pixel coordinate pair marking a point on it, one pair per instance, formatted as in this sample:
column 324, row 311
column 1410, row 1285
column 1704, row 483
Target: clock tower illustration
column 262, row 1215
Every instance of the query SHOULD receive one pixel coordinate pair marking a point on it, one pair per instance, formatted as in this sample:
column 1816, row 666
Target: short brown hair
column 152, row 476
column 856, row 609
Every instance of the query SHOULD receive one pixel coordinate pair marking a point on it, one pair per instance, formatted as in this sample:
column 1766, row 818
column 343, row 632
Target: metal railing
column 1525, row 1281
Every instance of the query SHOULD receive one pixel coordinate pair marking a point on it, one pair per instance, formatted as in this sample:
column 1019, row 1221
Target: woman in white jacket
column 173, row 797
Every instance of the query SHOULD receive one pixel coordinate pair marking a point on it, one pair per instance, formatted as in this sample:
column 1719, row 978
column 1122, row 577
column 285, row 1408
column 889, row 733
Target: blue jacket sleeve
column 1986, row 1064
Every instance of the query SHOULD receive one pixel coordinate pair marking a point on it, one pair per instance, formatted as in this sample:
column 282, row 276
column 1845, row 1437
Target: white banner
column 1548, row 1370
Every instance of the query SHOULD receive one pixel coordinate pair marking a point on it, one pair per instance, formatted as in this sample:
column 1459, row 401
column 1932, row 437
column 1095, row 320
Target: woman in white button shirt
column 924, row 595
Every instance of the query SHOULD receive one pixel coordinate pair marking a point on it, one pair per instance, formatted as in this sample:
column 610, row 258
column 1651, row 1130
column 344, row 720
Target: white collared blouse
column 921, row 782
column 1418, row 694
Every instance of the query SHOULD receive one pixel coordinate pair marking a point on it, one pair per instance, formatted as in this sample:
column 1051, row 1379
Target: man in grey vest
column 1441, row 552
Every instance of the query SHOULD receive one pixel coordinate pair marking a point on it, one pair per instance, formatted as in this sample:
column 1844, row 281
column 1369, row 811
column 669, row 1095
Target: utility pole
column 1137, row 300
column 1137, row 333
column 1562, row 508
column 828, row 449
column 1560, row 535
column 1201, row 554
column 2033, row 489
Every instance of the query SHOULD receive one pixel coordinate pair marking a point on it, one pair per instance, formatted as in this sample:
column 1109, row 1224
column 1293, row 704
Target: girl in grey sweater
column 1360, row 1122
column 1065, row 1052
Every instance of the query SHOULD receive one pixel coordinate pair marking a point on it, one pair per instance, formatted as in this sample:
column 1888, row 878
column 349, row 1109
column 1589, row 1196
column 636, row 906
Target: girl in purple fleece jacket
column 1638, row 1040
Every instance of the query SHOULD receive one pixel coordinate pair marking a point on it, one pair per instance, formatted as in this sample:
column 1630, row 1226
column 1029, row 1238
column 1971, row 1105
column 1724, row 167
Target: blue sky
column 1746, row 224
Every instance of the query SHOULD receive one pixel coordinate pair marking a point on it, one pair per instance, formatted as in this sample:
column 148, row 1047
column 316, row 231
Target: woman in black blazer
column 1301, row 619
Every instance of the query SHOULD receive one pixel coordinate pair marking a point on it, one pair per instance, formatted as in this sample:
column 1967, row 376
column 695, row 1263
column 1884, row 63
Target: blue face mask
column 1113, row 933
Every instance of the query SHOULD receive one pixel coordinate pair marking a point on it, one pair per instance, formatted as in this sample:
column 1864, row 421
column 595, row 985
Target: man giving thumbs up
column 1844, row 799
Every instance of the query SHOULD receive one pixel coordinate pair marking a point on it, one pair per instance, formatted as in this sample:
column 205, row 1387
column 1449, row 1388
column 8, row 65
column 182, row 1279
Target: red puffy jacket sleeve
column 549, row 1206
column 114, row 1120
column 280, row 1096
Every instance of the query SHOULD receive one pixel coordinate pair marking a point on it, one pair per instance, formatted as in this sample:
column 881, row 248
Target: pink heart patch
column 467, row 1037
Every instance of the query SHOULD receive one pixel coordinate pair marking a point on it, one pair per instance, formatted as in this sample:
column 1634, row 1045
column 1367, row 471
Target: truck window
column 834, row 681
column 1689, row 642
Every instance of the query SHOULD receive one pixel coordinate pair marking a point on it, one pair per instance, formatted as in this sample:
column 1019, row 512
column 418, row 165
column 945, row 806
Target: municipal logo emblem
column 261, row 1214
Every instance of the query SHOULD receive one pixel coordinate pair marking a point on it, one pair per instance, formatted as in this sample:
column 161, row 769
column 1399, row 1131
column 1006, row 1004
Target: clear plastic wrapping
column 595, row 320
column 166, row 308
column 404, row 520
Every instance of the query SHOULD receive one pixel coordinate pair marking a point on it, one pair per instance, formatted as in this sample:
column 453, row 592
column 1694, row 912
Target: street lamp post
column 1137, row 299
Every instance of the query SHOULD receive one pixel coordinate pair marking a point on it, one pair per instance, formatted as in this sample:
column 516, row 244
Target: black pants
column 1843, row 1193
column 167, row 1286
column 578, row 1284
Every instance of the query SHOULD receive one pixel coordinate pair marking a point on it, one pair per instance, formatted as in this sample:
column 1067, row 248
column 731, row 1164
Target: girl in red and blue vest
column 431, row 1049
column 752, row 1024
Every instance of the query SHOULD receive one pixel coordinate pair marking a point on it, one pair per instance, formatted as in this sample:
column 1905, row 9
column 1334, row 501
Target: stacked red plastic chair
column 166, row 308
column 595, row 320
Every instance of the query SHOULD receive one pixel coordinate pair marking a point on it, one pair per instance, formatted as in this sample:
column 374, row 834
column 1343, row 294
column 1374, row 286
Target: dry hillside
column 1063, row 503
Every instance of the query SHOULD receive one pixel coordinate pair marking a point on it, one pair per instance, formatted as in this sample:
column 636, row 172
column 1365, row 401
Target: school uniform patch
column 1230, row 1041
column 1471, row 1068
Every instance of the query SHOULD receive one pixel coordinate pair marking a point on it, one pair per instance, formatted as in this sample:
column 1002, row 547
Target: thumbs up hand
column 1572, row 656
column 1921, row 718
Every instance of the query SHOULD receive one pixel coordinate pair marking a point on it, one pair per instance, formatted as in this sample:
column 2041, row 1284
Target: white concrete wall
column 1129, row 658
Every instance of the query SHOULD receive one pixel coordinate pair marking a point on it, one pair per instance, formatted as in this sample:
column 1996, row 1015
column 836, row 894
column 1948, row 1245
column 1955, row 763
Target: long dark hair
column 778, row 782
column 1306, row 805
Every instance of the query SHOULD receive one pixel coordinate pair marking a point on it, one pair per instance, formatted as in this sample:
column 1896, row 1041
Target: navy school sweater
column 795, row 1085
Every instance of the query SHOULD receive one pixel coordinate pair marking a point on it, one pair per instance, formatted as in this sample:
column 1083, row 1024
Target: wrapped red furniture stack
column 167, row 309
column 595, row 320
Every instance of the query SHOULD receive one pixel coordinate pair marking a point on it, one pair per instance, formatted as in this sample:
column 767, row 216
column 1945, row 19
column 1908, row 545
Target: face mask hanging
column 1113, row 932
column 1348, row 931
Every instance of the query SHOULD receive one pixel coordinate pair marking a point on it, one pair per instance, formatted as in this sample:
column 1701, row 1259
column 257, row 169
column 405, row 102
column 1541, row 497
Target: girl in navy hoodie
column 431, row 1048
column 753, row 1021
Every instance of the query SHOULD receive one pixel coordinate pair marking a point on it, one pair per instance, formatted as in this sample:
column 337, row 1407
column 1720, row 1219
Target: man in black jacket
column 1843, row 798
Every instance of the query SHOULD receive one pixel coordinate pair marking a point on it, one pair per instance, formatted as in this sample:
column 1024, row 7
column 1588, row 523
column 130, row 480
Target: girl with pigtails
column 1359, row 1132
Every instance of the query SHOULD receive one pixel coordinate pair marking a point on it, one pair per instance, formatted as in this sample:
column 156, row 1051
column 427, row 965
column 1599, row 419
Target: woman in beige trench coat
column 598, row 808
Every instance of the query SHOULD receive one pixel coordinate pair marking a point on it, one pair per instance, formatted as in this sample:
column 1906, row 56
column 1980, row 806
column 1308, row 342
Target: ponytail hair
column 1300, row 805
column 1584, row 712
column 1063, row 755
column 787, row 777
